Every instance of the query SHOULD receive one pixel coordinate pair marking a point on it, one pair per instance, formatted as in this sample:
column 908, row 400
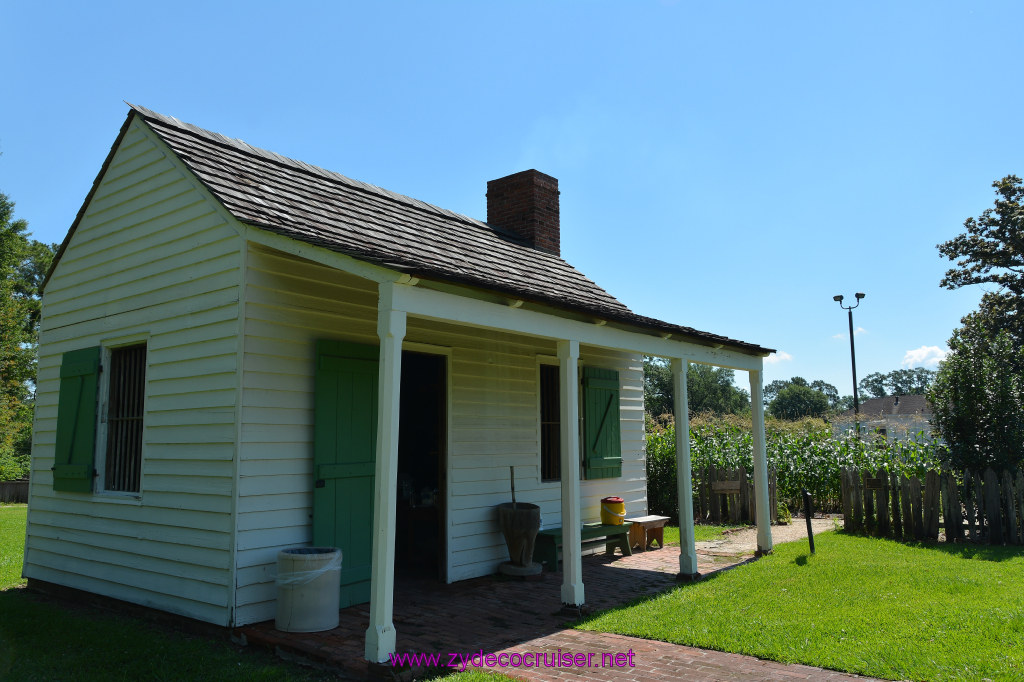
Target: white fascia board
column 332, row 259
column 449, row 307
column 446, row 307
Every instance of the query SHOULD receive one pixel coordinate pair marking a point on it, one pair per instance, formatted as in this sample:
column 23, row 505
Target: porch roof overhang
column 420, row 295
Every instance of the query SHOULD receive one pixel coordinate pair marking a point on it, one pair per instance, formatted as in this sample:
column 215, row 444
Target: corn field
column 805, row 455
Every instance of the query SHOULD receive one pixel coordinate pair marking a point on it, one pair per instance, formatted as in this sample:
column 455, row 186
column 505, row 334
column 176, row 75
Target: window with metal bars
column 125, row 406
column 550, row 416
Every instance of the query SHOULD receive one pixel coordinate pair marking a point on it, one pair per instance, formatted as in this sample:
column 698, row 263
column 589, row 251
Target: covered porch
column 399, row 300
column 492, row 614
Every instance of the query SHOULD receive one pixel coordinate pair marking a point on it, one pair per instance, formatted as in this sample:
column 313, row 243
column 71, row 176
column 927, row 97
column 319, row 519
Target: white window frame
column 553, row 360
column 103, row 408
column 543, row 360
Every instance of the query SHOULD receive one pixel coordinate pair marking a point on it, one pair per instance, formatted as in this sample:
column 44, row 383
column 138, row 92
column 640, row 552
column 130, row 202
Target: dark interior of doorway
column 422, row 439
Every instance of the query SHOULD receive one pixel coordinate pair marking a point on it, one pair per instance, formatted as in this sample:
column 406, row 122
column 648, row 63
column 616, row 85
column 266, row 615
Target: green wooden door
column 345, row 434
column 602, row 444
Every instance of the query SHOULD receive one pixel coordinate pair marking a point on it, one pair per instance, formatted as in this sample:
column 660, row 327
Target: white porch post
column 688, row 550
column 764, row 521
column 380, row 636
column 572, row 562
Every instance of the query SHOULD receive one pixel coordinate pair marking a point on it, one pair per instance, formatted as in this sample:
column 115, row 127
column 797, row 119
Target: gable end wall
column 154, row 259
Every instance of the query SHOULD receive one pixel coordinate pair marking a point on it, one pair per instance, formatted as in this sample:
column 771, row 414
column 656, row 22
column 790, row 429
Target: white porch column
column 572, row 562
column 764, row 520
column 380, row 636
column 688, row 550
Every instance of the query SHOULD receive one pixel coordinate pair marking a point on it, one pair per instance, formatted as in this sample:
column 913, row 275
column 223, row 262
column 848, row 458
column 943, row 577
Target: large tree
column 796, row 401
column 991, row 252
column 833, row 401
column 23, row 264
column 709, row 389
column 979, row 405
column 897, row 382
column 978, row 396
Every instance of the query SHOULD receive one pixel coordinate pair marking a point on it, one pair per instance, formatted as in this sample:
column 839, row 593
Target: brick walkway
column 495, row 614
column 658, row 661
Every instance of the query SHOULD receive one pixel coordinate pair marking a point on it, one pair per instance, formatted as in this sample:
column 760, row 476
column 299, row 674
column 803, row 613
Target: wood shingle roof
column 327, row 209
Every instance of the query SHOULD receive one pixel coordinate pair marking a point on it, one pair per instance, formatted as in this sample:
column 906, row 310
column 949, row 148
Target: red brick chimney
column 526, row 203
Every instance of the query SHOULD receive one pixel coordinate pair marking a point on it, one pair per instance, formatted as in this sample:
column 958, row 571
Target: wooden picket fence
column 726, row 495
column 14, row 491
column 968, row 505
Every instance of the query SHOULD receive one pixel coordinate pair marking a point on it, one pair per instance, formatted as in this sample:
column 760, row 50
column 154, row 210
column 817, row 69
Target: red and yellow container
column 613, row 511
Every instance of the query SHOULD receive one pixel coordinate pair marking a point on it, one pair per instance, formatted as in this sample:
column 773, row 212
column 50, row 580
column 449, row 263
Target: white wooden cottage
column 241, row 353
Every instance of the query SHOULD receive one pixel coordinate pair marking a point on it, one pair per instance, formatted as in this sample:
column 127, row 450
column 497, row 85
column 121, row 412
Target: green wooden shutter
column 76, row 421
column 602, row 449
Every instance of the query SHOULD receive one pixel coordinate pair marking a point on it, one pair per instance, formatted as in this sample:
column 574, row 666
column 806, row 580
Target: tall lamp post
column 853, row 355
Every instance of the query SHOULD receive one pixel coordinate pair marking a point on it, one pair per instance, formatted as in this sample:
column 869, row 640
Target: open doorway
column 422, row 451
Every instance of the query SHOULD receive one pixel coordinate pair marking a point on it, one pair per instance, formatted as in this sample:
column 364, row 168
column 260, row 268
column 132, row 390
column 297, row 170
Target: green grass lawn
column 473, row 676
column 863, row 605
column 701, row 532
column 12, row 543
column 40, row 640
column 43, row 640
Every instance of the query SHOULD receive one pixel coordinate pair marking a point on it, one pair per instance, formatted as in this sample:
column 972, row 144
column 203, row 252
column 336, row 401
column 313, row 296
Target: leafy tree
column 844, row 403
column 796, row 401
column 710, row 389
column 830, row 392
column 873, row 385
column 991, row 251
column 979, row 405
column 772, row 389
column 657, row 386
column 897, row 382
column 914, row 381
column 23, row 264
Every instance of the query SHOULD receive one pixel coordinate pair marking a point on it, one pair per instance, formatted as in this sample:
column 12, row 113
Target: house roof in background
column 326, row 209
column 893, row 406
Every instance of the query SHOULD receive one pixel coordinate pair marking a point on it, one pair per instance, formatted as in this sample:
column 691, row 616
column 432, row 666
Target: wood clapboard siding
column 152, row 259
column 491, row 433
column 290, row 303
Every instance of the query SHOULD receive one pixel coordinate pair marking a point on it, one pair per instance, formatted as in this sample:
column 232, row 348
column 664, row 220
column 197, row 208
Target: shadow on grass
column 971, row 551
column 681, row 586
column 963, row 550
column 48, row 639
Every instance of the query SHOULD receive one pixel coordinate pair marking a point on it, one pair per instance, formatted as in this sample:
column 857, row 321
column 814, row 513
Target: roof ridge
column 389, row 228
column 302, row 166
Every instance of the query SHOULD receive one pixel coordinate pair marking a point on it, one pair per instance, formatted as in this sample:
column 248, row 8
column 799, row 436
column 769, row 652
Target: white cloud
column 856, row 332
column 776, row 358
column 925, row 356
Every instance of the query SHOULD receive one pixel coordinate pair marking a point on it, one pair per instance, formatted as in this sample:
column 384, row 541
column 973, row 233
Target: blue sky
column 728, row 166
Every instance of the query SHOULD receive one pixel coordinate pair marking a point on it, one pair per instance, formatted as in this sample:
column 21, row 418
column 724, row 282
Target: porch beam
column 381, row 636
column 572, row 551
column 688, row 549
column 331, row 259
column 764, row 520
column 448, row 307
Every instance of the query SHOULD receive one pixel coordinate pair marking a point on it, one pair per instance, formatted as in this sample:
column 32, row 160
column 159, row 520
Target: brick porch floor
column 494, row 613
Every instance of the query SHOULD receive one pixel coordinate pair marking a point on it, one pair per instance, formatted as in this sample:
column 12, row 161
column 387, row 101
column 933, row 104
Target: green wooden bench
column 549, row 542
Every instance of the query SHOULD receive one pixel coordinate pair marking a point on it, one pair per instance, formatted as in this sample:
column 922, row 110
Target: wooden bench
column 549, row 542
column 646, row 530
